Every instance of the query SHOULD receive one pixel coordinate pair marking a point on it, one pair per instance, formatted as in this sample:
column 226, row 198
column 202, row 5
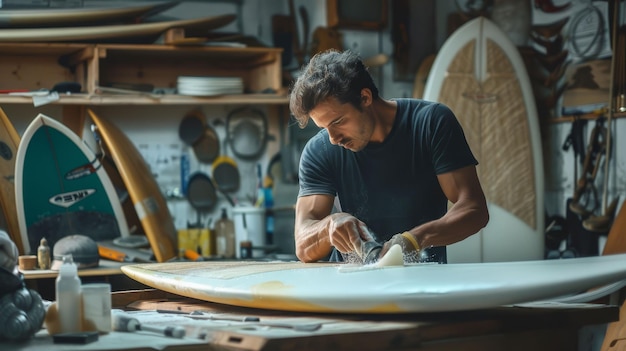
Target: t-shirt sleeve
column 449, row 146
column 314, row 175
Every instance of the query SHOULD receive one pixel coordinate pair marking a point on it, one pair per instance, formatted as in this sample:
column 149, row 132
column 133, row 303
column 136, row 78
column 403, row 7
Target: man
column 392, row 164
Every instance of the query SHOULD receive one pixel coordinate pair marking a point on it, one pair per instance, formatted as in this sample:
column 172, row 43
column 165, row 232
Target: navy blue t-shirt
column 391, row 186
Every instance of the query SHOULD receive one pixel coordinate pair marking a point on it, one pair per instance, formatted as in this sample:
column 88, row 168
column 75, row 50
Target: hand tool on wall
column 602, row 222
column 585, row 188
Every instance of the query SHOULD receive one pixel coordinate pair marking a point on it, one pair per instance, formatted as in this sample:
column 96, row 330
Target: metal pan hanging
column 247, row 132
column 195, row 132
column 225, row 172
column 201, row 192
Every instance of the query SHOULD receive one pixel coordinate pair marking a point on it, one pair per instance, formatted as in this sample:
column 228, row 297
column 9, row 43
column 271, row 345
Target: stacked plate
column 209, row 86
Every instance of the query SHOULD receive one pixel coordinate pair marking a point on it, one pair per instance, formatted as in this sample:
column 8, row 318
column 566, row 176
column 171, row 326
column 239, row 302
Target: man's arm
column 311, row 227
column 467, row 216
column 317, row 230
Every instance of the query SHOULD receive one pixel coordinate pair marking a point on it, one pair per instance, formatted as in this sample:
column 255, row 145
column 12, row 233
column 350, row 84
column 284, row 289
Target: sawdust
column 351, row 258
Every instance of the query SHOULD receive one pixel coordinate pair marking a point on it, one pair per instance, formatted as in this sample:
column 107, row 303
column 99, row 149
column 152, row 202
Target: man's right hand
column 347, row 233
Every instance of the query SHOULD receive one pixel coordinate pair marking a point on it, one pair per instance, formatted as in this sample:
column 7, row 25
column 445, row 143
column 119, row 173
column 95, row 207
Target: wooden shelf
column 145, row 99
column 105, row 268
column 585, row 116
column 42, row 65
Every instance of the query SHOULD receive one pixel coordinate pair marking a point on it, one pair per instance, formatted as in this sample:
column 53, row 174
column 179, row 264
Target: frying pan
column 207, row 149
column 247, row 132
column 191, row 127
column 225, row 172
column 201, row 137
column 201, row 193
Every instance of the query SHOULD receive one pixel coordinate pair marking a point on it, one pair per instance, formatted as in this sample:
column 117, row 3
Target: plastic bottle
column 68, row 296
column 225, row 236
column 269, row 215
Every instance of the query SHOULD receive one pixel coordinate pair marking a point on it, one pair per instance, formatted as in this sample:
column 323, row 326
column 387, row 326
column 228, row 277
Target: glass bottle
column 225, row 236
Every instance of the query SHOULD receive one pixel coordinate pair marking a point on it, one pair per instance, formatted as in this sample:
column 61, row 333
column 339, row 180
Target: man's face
column 347, row 126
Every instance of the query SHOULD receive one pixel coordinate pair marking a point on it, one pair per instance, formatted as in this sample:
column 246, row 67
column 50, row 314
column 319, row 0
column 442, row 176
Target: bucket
column 252, row 229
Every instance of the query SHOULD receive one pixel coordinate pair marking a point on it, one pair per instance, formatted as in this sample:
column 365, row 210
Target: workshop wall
column 154, row 129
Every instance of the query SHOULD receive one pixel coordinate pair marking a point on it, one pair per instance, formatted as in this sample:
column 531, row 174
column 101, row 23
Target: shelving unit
column 41, row 66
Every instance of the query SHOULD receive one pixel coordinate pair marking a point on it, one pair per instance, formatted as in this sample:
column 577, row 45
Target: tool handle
column 174, row 332
column 122, row 321
column 192, row 255
column 111, row 254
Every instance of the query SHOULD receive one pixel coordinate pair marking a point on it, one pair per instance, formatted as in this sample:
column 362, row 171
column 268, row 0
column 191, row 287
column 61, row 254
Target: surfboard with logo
column 148, row 200
column 62, row 189
column 9, row 142
column 480, row 75
column 342, row 288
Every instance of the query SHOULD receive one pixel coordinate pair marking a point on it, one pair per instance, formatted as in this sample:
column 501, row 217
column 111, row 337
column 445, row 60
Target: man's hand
column 407, row 242
column 347, row 233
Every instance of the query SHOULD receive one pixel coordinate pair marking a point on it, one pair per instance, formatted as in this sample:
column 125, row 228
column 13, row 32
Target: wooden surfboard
column 61, row 188
column 342, row 288
column 480, row 75
column 144, row 32
column 9, row 142
column 149, row 202
column 62, row 17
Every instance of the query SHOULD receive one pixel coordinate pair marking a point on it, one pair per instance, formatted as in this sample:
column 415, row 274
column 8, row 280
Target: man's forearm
column 460, row 222
column 312, row 240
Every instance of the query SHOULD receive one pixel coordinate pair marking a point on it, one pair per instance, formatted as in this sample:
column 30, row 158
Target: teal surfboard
column 62, row 189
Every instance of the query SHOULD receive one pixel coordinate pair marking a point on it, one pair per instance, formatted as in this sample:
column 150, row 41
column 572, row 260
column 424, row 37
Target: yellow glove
column 410, row 248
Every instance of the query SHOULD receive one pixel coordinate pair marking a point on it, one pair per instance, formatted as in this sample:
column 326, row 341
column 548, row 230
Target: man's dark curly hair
column 331, row 73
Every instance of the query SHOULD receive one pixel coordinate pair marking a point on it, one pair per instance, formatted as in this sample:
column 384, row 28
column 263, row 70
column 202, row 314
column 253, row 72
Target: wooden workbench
column 524, row 327
column 107, row 271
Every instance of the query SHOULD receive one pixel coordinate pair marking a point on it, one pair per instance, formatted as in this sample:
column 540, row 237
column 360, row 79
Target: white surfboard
column 61, row 188
column 481, row 76
column 341, row 288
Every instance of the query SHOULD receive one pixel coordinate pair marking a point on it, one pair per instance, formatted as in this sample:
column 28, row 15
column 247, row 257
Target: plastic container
column 97, row 305
column 250, row 226
column 68, row 295
column 225, row 236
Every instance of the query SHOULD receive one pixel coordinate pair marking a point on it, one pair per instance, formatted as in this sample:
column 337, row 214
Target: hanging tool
column 585, row 187
column 602, row 223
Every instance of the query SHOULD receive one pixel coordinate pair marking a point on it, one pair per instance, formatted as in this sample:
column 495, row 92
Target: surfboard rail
column 345, row 288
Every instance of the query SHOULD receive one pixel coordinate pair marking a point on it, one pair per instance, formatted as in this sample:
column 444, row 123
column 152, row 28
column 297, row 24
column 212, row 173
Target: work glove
column 411, row 250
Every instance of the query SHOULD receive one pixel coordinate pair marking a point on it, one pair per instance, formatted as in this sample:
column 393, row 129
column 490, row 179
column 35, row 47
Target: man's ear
column 366, row 97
